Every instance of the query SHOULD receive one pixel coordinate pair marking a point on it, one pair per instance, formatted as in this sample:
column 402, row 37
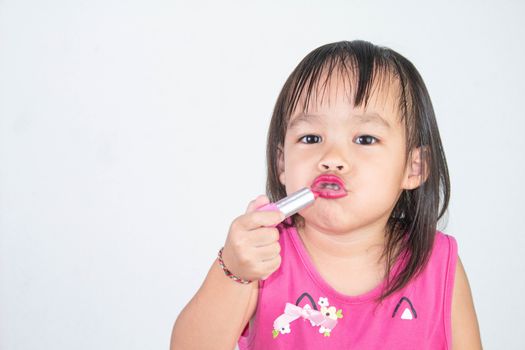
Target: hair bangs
column 363, row 75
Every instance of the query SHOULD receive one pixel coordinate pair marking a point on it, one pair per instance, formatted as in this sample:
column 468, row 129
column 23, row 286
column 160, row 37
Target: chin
column 330, row 222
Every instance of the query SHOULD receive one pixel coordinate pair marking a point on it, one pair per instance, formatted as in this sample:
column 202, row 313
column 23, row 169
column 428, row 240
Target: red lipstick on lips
column 329, row 186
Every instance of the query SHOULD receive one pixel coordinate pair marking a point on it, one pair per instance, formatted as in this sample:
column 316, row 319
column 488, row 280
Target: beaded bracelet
column 228, row 272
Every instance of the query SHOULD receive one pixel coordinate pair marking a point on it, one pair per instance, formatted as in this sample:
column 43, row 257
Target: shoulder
column 443, row 256
column 442, row 265
column 444, row 253
column 439, row 271
column 445, row 243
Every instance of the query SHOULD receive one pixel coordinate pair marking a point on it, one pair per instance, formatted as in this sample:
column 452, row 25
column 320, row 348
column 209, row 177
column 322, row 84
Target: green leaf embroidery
column 326, row 334
column 275, row 333
column 339, row 313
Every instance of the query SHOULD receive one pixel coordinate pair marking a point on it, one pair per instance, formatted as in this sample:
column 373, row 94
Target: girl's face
column 365, row 148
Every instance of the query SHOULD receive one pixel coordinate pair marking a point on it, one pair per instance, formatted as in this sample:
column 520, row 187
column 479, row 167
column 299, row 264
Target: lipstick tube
column 293, row 203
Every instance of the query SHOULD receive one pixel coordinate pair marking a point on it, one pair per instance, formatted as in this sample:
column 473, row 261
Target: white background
column 133, row 132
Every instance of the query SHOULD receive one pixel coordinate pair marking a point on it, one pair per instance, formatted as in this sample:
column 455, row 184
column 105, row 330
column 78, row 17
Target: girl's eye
column 365, row 140
column 310, row 139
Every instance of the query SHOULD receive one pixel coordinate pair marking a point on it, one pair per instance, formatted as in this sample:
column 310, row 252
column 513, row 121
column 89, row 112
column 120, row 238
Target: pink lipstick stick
column 292, row 204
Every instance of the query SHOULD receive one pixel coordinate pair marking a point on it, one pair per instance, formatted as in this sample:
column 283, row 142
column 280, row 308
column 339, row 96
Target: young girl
column 363, row 267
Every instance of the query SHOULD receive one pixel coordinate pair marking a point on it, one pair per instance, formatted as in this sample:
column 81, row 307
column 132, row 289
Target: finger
column 257, row 202
column 271, row 266
column 263, row 236
column 258, row 219
column 269, row 252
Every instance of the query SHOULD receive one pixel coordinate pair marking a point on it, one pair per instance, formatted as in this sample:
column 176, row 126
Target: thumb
column 257, row 202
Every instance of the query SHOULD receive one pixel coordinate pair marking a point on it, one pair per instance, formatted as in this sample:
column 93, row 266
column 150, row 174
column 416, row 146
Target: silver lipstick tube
column 296, row 202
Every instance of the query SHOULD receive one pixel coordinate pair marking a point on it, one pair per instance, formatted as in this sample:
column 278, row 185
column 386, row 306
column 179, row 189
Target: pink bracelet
column 228, row 272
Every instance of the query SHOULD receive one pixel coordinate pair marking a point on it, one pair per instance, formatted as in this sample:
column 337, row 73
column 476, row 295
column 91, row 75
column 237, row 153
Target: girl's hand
column 252, row 247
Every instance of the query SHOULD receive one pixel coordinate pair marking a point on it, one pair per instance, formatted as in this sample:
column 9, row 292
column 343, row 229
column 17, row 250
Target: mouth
column 329, row 186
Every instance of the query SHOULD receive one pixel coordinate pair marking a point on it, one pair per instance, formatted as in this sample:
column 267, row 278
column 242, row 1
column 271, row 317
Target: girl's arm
column 465, row 328
column 218, row 313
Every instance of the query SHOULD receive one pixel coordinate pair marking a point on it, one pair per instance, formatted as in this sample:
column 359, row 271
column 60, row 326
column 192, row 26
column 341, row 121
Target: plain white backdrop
column 133, row 133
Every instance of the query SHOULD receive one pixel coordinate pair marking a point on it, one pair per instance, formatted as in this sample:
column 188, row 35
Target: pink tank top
column 297, row 309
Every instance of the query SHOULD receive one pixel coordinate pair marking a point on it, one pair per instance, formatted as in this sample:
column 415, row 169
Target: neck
column 323, row 244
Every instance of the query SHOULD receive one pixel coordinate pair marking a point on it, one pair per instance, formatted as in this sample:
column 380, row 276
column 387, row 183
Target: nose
column 333, row 161
column 330, row 166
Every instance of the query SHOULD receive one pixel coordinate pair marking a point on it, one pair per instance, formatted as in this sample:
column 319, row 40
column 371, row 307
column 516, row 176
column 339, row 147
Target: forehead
column 338, row 92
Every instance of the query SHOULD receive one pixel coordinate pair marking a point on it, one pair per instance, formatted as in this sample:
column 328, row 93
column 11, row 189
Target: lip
column 329, row 193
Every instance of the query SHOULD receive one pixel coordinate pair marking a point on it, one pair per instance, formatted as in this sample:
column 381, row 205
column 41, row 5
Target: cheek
column 298, row 171
column 295, row 158
column 383, row 174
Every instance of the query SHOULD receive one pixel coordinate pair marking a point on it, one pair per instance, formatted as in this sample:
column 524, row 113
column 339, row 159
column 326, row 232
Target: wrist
column 227, row 272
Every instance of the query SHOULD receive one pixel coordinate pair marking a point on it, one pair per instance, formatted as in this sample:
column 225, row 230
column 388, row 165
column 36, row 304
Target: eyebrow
column 372, row 118
column 302, row 118
column 360, row 118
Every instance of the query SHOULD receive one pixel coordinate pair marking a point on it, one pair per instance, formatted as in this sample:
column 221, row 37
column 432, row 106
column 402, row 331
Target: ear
column 280, row 165
column 416, row 172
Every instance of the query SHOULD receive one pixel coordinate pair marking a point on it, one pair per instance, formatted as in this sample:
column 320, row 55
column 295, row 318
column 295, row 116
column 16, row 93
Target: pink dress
column 297, row 309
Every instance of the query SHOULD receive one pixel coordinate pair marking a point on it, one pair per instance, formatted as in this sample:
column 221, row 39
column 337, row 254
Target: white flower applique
column 331, row 315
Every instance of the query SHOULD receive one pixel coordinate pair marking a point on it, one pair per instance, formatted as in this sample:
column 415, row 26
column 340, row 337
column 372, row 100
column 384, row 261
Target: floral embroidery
column 323, row 301
column 326, row 318
column 329, row 312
